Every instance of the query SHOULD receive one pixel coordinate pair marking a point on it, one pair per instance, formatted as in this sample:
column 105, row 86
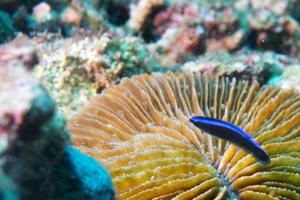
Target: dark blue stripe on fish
column 232, row 133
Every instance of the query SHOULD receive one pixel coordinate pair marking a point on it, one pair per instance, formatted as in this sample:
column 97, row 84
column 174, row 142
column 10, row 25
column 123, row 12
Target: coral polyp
column 140, row 131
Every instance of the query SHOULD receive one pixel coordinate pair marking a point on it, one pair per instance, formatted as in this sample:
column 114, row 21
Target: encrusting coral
column 140, row 131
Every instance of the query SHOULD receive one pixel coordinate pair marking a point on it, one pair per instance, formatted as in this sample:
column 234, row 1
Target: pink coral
column 15, row 97
column 42, row 12
column 173, row 17
column 72, row 16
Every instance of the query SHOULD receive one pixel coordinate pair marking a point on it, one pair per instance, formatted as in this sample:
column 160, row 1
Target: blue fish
column 232, row 133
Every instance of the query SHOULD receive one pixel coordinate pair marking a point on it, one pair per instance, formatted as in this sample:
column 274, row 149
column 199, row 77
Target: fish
column 233, row 134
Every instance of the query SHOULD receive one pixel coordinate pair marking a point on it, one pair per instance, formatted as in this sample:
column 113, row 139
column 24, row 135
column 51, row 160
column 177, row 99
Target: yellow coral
column 140, row 131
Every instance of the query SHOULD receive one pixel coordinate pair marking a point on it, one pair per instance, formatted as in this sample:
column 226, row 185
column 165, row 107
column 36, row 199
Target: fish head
column 200, row 122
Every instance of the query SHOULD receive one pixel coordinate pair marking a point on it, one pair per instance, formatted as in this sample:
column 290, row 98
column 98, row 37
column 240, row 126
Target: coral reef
column 244, row 23
column 192, row 30
column 140, row 131
column 181, row 31
column 41, row 165
column 36, row 159
column 138, row 127
column 59, row 16
column 40, row 141
column 14, row 102
column 265, row 67
column 179, row 36
column 193, row 27
column 74, row 70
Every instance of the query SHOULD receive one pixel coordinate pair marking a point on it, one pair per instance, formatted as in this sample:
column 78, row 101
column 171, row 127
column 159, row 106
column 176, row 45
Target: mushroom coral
column 140, row 131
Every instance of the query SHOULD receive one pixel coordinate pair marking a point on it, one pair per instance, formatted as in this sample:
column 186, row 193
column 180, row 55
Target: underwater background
column 96, row 99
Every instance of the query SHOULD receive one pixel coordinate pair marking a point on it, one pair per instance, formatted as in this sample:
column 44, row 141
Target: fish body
column 232, row 133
